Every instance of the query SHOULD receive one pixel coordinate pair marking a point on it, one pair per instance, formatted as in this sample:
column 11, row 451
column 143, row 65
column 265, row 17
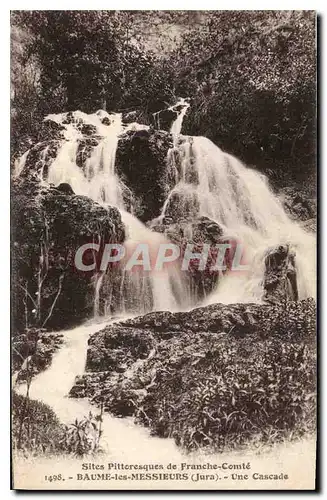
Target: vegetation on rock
column 218, row 376
column 37, row 346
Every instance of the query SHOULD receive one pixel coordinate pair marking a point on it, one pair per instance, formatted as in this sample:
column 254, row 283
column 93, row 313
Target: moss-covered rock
column 219, row 376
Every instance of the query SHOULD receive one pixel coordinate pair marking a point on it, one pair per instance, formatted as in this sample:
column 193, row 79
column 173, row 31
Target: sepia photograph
column 163, row 249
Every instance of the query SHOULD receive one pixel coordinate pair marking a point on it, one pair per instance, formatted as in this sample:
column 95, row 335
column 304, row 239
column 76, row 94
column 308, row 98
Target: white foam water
column 121, row 437
column 217, row 185
column 141, row 291
column 208, row 182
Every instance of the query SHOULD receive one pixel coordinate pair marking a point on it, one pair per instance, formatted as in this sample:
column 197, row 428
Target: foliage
column 231, row 395
column 36, row 429
column 219, row 376
column 84, row 60
column 41, row 429
column 83, row 437
column 252, row 77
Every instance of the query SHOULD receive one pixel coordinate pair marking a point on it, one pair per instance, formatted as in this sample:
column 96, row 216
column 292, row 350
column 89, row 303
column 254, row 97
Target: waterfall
column 214, row 184
column 139, row 291
column 97, row 180
column 159, row 290
column 208, row 182
column 20, row 164
column 176, row 126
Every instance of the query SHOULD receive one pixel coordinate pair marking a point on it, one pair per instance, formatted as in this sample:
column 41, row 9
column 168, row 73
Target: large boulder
column 197, row 231
column 48, row 226
column 280, row 280
column 141, row 162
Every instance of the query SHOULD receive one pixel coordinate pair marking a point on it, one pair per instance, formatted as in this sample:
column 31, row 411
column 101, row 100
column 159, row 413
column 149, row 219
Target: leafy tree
column 252, row 75
column 80, row 60
column 94, row 58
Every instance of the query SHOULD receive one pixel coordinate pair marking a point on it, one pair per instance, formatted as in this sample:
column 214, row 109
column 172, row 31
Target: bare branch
column 55, row 300
column 27, row 292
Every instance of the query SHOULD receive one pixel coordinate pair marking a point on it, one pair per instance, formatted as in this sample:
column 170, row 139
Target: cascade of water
column 20, row 164
column 177, row 172
column 98, row 179
column 208, row 182
column 158, row 290
column 176, row 126
column 217, row 185
column 97, row 288
column 140, row 291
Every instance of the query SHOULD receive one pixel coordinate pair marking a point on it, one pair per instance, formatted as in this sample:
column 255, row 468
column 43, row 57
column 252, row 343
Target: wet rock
column 182, row 204
column 106, row 121
column 280, row 281
column 299, row 205
column 65, row 188
column 196, row 232
column 132, row 116
column 51, row 130
column 37, row 164
column 141, row 162
column 88, row 129
column 163, row 120
column 79, row 389
column 201, row 229
column 85, row 148
column 310, row 225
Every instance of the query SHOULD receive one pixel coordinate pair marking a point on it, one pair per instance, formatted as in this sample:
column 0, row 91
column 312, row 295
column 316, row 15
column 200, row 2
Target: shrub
column 37, row 430
column 234, row 393
column 35, row 427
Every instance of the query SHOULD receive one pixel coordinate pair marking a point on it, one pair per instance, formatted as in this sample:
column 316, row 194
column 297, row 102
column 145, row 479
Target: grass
column 231, row 394
column 36, row 430
column 35, row 427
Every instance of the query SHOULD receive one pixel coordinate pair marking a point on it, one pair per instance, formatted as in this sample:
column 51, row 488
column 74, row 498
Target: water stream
column 209, row 181
column 121, row 438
